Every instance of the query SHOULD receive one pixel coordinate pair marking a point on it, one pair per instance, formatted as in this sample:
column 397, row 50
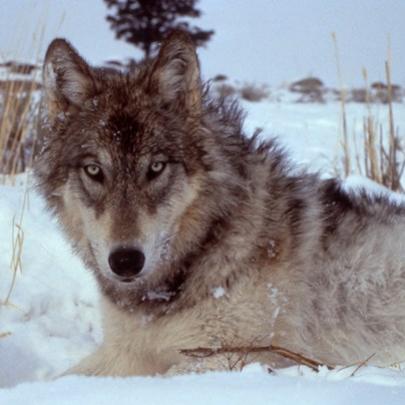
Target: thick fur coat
column 234, row 248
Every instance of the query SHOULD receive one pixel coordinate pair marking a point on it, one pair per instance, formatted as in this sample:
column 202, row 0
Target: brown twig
column 362, row 364
column 203, row 352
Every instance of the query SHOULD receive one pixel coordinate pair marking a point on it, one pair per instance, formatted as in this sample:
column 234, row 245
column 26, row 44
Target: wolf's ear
column 67, row 78
column 175, row 74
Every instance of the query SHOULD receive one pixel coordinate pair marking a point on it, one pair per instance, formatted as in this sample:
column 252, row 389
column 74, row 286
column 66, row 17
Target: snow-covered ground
column 312, row 132
column 252, row 386
column 51, row 313
column 51, row 318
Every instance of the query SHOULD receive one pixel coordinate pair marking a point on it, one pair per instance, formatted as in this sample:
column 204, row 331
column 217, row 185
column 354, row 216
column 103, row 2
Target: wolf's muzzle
column 126, row 262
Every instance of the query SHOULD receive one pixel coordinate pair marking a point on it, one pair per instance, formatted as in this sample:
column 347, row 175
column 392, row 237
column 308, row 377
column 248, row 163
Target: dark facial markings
column 124, row 154
column 125, row 131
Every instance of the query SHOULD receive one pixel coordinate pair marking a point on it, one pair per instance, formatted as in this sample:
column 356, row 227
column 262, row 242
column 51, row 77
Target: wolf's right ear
column 67, row 78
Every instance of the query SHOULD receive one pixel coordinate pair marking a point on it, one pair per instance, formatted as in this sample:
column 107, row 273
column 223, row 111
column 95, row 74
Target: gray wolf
column 200, row 236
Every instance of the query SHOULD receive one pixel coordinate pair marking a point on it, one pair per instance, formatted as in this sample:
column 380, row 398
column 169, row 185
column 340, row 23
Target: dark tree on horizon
column 145, row 23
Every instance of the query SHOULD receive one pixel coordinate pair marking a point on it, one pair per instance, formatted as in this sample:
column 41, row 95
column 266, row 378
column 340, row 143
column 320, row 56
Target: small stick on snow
column 202, row 352
column 362, row 364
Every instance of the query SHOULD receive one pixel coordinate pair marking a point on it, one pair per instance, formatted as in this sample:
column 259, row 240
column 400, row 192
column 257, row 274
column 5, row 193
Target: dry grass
column 382, row 157
column 17, row 240
column 19, row 102
column 18, row 115
column 343, row 117
column 18, row 112
column 383, row 153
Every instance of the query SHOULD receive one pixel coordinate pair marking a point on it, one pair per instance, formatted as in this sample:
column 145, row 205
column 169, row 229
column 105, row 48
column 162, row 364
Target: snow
column 218, row 292
column 251, row 386
column 52, row 318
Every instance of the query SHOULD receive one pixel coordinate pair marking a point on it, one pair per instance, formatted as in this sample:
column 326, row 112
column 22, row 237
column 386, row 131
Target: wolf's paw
column 90, row 365
column 199, row 366
column 79, row 369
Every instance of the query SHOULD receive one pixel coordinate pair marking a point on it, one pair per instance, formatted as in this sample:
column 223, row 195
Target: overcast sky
column 269, row 41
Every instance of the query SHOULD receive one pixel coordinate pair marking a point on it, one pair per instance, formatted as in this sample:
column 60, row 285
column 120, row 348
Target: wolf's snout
column 126, row 262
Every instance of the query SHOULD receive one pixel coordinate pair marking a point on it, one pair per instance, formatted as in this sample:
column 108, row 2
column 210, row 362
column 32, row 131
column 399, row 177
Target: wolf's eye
column 155, row 169
column 94, row 172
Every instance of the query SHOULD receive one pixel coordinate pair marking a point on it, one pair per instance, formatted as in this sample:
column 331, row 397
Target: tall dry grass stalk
column 394, row 166
column 372, row 167
column 17, row 243
column 343, row 117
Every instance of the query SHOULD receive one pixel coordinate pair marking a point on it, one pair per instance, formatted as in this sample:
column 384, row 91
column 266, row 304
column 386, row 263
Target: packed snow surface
column 49, row 320
column 252, row 386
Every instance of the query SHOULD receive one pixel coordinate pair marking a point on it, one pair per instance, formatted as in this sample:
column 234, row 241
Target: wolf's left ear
column 67, row 78
column 175, row 74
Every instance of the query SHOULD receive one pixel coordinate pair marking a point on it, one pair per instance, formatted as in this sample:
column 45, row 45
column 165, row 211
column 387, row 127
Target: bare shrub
column 358, row 95
column 377, row 93
column 18, row 67
column 220, row 78
column 225, row 90
column 253, row 92
column 311, row 90
column 385, row 94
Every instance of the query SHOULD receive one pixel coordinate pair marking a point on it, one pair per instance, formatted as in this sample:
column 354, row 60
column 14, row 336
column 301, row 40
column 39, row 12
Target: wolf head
column 133, row 166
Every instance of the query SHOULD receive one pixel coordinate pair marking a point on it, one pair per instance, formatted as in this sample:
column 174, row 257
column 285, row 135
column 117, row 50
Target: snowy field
column 51, row 318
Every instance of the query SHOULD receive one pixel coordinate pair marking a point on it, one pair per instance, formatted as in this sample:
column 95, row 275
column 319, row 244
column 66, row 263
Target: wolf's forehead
column 129, row 133
column 122, row 123
column 125, row 91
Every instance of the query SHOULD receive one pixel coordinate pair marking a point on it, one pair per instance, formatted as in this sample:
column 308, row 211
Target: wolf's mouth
column 126, row 280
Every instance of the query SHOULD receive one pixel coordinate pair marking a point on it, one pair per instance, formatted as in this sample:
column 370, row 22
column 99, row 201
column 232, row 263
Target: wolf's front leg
column 115, row 361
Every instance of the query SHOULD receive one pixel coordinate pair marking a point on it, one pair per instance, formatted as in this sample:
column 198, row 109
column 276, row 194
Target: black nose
column 126, row 262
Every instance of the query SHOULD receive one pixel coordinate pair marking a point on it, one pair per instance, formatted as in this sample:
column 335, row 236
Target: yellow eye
column 157, row 167
column 94, row 172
